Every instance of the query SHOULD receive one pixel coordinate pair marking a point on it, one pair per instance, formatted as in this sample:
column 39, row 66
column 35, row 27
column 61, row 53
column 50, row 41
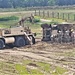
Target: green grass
column 21, row 69
column 42, row 68
column 7, row 68
column 37, row 72
column 48, row 68
column 7, row 21
column 59, row 71
column 7, row 24
column 8, row 18
column 52, row 19
column 60, row 11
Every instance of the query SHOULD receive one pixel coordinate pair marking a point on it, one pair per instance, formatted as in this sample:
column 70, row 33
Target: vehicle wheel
column 32, row 39
column 1, row 44
column 20, row 41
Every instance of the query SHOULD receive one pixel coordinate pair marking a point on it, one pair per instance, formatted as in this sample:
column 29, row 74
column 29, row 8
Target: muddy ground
column 62, row 55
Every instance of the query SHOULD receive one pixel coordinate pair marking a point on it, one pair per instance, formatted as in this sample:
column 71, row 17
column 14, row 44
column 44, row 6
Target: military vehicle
column 17, row 36
column 59, row 33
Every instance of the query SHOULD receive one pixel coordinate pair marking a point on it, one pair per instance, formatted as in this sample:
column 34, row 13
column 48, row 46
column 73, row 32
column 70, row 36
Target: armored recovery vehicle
column 16, row 36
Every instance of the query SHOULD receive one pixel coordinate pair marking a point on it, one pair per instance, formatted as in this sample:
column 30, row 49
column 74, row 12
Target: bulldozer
column 17, row 36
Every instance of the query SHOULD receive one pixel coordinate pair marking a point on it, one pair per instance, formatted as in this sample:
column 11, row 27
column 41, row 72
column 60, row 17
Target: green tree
column 32, row 3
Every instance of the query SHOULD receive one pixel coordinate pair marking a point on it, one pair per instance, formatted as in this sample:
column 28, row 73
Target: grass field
column 28, row 67
column 65, row 14
column 23, row 13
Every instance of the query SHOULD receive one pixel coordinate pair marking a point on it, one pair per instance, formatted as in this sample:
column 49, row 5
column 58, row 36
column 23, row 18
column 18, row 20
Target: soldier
column 73, row 37
column 66, row 36
column 70, row 32
column 60, row 36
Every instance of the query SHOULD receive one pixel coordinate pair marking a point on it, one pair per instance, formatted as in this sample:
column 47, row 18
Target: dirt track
column 59, row 55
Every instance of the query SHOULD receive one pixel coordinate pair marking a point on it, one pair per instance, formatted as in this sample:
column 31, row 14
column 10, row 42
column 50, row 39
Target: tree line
column 33, row 3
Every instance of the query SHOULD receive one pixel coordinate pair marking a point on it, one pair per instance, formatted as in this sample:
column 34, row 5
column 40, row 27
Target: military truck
column 16, row 36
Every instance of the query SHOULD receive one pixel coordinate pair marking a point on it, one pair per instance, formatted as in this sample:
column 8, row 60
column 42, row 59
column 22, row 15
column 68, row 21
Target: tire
column 1, row 44
column 20, row 41
column 32, row 39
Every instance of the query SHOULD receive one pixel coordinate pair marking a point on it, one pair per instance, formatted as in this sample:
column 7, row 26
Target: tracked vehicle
column 17, row 36
column 60, row 33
